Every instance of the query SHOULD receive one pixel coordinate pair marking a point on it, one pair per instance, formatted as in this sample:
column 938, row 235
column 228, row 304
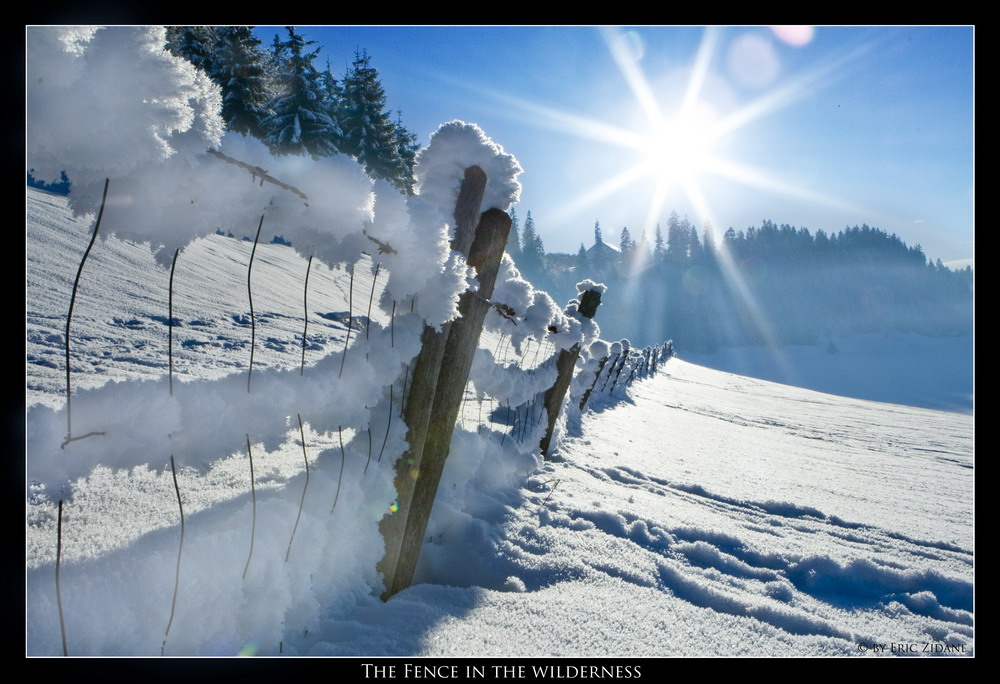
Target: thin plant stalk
column 508, row 420
column 350, row 322
column 368, row 316
column 524, row 354
column 392, row 325
column 253, row 495
column 72, row 302
column 550, row 493
column 305, row 458
column 170, row 323
column 253, row 322
column 535, row 357
column 506, row 349
column 368, row 462
column 496, row 352
column 180, row 549
column 387, row 424
column 343, row 459
column 62, row 624
column 305, row 307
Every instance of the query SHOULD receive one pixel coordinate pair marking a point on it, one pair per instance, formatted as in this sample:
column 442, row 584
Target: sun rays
column 677, row 141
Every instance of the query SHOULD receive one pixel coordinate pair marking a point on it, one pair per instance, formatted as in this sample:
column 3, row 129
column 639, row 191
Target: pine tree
column 369, row 134
column 514, row 238
column 581, row 261
column 598, row 240
column 659, row 247
column 277, row 52
column 677, row 240
column 194, row 43
column 694, row 245
column 627, row 244
column 641, row 248
column 333, row 94
column 532, row 249
column 406, row 156
column 708, row 237
column 300, row 123
column 238, row 67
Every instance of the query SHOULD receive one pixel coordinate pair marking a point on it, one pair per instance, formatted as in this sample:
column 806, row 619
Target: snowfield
column 700, row 513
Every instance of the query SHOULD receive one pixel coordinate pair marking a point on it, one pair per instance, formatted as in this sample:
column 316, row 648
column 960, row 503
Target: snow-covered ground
column 710, row 515
column 703, row 513
column 911, row 369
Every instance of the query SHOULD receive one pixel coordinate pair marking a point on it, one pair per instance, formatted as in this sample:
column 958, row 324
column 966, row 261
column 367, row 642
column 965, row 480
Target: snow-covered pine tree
column 194, row 43
column 331, row 88
column 581, row 261
column 627, row 243
column 238, row 67
column 300, row 123
column 694, row 245
column 677, row 240
column 514, row 238
column 406, row 156
column 369, row 134
column 277, row 54
column 532, row 250
column 659, row 247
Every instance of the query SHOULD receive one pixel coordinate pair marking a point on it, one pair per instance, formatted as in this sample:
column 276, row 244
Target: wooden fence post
column 553, row 399
column 597, row 376
column 463, row 339
column 419, row 400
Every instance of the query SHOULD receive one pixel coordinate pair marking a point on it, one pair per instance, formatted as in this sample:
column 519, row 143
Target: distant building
column 603, row 258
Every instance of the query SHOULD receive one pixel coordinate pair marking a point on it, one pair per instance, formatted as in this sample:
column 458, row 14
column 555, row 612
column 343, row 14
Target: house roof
column 603, row 250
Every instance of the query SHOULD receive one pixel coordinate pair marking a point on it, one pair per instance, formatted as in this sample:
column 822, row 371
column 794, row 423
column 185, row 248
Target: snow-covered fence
column 204, row 420
column 440, row 375
column 317, row 485
column 600, row 376
column 590, row 299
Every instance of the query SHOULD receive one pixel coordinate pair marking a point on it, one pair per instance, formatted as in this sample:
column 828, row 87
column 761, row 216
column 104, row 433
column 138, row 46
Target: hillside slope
column 703, row 513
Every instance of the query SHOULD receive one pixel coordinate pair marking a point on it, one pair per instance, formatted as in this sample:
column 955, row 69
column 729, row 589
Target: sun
column 677, row 151
column 682, row 141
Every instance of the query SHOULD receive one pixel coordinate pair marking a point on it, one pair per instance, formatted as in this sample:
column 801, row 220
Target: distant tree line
column 767, row 284
column 280, row 97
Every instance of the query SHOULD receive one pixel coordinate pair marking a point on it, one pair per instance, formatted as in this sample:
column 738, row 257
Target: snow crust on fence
column 106, row 102
column 439, row 176
column 167, row 189
column 111, row 103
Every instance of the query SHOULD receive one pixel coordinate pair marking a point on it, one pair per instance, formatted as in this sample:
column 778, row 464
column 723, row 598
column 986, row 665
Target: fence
column 505, row 365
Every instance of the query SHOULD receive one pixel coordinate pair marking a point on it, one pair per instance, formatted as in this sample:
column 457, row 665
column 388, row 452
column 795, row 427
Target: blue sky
column 836, row 127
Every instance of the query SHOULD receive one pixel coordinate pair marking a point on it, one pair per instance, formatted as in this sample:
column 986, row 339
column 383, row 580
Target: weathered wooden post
column 419, row 471
column 463, row 339
column 621, row 365
column 420, row 398
column 553, row 399
column 611, row 369
column 597, row 376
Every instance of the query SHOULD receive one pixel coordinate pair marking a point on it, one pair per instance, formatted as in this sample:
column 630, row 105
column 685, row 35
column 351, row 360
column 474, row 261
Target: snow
column 439, row 177
column 879, row 367
column 722, row 514
column 104, row 102
column 651, row 517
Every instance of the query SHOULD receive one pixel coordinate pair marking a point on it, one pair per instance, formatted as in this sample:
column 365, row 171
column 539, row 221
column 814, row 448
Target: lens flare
column 796, row 36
